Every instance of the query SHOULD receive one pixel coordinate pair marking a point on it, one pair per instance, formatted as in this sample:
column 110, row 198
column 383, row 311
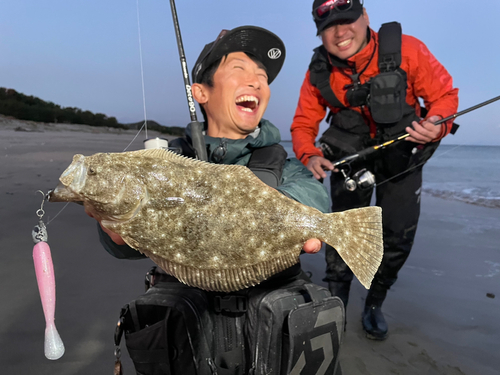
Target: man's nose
column 253, row 80
column 340, row 30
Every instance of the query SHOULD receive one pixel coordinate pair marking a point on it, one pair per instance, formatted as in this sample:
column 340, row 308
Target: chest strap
column 267, row 163
column 320, row 70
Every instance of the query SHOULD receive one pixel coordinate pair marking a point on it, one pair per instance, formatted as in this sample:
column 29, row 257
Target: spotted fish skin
column 215, row 227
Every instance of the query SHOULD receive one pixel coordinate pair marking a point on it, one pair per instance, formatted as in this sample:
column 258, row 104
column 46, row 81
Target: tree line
column 31, row 108
column 24, row 107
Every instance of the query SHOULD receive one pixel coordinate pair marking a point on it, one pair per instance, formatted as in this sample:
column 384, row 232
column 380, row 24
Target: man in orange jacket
column 371, row 84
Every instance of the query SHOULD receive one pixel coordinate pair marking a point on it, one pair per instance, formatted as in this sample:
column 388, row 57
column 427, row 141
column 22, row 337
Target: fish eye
column 91, row 170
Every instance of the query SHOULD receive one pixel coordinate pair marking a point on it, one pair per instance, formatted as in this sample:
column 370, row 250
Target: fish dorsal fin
column 159, row 153
column 235, row 168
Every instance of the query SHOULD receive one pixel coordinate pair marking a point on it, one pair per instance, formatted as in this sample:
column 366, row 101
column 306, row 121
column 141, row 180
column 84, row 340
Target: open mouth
column 247, row 103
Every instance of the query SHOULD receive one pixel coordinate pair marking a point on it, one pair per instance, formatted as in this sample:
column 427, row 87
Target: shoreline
column 10, row 123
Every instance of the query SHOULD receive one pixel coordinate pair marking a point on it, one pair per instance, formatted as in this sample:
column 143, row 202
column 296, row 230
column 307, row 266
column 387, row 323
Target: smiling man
column 372, row 84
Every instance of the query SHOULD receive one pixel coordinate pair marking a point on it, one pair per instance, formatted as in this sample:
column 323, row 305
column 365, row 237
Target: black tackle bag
column 285, row 326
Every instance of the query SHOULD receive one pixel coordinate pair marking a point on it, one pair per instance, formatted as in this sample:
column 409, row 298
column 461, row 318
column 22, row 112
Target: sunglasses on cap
column 323, row 11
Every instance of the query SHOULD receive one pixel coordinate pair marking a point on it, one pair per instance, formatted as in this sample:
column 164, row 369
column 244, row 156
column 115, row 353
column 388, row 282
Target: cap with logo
column 256, row 41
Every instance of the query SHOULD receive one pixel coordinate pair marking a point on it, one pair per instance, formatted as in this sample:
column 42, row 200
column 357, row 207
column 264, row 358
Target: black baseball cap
column 261, row 43
column 327, row 12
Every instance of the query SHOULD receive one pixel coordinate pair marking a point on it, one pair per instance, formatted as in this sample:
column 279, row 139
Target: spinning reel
column 363, row 179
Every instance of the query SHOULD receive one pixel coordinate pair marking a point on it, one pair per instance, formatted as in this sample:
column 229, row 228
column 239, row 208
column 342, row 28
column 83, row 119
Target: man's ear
column 365, row 15
column 200, row 93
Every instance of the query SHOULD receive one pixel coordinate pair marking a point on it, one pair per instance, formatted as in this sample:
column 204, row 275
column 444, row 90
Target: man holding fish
column 157, row 203
column 217, row 226
column 231, row 84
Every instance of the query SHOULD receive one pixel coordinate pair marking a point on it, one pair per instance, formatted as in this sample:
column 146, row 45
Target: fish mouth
column 63, row 193
column 71, row 181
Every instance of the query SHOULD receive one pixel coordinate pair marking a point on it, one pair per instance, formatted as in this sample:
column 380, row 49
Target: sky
column 87, row 53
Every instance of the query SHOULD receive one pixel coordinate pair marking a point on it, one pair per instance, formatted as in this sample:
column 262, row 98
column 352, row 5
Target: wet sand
column 440, row 317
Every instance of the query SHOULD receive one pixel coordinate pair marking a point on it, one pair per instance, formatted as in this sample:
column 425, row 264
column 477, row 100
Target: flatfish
column 215, row 227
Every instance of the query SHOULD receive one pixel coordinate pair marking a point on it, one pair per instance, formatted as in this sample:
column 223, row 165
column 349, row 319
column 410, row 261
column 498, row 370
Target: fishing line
column 142, row 72
column 145, row 125
column 61, row 210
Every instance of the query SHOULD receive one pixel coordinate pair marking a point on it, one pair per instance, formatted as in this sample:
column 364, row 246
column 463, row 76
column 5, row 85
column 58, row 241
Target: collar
column 237, row 151
column 363, row 57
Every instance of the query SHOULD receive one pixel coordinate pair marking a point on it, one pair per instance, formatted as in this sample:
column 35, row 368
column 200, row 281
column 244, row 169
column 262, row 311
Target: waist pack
column 289, row 326
column 347, row 134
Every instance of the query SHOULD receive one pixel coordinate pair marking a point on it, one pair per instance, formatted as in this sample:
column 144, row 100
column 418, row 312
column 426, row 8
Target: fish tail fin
column 357, row 236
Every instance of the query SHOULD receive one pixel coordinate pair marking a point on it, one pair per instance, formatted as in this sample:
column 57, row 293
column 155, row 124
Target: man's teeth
column 246, row 109
column 247, row 98
column 344, row 43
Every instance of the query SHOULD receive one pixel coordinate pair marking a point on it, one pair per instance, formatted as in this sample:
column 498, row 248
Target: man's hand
column 425, row 132
column 317, row 165
column 312, row 246
column 116, row 238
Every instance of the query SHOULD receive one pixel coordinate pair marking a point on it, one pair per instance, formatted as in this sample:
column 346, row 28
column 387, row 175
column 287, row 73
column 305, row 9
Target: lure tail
column 357, row 236
column 44, row 269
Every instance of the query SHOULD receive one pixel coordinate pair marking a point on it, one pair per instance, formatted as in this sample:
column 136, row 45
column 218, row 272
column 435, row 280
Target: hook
column 40, row 212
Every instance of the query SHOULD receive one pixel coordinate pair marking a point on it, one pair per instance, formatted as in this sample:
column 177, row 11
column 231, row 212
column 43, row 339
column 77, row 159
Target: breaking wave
column 478, row 196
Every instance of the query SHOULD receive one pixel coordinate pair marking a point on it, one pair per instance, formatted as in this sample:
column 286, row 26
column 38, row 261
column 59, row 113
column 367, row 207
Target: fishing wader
column 399, row 199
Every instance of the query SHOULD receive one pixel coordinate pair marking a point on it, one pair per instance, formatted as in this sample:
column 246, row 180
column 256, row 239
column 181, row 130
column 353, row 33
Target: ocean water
column 466, row 173
column 469, row 174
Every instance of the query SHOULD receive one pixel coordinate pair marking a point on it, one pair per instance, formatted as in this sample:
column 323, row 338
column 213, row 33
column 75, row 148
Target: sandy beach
column 443, row 313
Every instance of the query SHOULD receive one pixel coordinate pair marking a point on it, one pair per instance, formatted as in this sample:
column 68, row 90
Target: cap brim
column 265, row 46
column 352, row 15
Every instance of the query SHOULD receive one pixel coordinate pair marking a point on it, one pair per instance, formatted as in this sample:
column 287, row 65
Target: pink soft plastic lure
column 44, row 269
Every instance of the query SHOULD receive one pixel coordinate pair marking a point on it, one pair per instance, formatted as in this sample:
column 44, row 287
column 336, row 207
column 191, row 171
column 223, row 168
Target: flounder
column 215, row 227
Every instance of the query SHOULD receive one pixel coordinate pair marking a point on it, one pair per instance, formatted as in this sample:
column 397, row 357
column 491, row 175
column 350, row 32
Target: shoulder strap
column 389, row 50
column 267, row 163
column 182, row 146
column 320, row 70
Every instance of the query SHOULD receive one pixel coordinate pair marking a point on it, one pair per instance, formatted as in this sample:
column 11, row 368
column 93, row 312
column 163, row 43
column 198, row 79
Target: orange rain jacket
column 427, row 79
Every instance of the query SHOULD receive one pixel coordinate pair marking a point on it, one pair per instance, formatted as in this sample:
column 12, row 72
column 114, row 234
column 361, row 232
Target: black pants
column 399, row 199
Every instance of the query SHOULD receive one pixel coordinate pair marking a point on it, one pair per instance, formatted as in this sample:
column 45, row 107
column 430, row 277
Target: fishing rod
column 194, row 129
column 372, row 149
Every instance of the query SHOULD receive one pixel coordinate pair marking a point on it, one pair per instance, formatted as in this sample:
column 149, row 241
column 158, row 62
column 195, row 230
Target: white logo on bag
column 323, row 341
column 274, row 53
